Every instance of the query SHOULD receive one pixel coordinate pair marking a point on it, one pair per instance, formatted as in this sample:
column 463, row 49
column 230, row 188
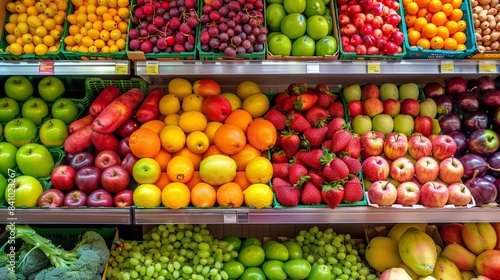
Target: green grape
column 157, row 267
column 341, row 256
column 336, row 243
column 176, row 274
column 364, row 271
column 226, row 257
column 150, row 270
column 351, row 258
column 218, row 265
column 142, row 271
column 347, row 264
column 188, row 233
column 148, row 262
column 181, row 259
column 134, row 274
column 310, row 258
column 332, row 260
column 344, row 277
column 371, row 277
column 161, row 277
column 155, row 236
column 346, row 270
column 205, row 270
column 355, row 274
column 214, row 271
column 146, row 236
column 320, row 261
column 234, row 254
column 218, row 277
column 337, row 271
column 163, row 272
column 187, row 269
column 134, row 261
column 204, row 261
column 224, row 275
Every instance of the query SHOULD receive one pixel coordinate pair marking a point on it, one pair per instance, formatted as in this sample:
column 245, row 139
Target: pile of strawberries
column 316, row 159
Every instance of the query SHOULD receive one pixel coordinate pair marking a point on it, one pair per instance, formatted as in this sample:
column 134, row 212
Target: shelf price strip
column 373, row 67
column 312, row 67
column 152, row 67
column 46, row 68
column 230, row 217
column 447, row 66
column 486, row 66
column 121, row 68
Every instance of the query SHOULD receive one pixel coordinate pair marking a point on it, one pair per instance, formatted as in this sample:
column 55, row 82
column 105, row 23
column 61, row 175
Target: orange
column 424, row 43
column 195, row 158
column 241, row 158
column 230, row 139
column 163, row 157
column 213, row 150
column 147, row 196
column 242, row 180
column 452, row 26
column 450, row 44
column 456, row 15
column 434, row 6
column 429, row 30
column 262, row 134
column 405, row 2
column 422, row 3
column 155, row 125
column 413, row 36
column 240, row 118
column 456, row 4
column 210, row 130
column 412, row 8
column 180, row 169
column 422, row 12
column 439, row 18
column 230, row 194
column 442, row 32
column 461, row 25
column 144, row 143
column 203, row 195
column 419, row 24
column 162, row 181
column 437, row 43
column 447, row 9
column 460, row 37
column 461, row 47
column 194, row 180
column 410, row 20
column 175, row 195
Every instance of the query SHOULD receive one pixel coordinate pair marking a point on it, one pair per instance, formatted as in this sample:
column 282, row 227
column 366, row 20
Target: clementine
column 144, row 143
column 203, row 195
column 230, row 139
column 230, row 194
column 180, row 169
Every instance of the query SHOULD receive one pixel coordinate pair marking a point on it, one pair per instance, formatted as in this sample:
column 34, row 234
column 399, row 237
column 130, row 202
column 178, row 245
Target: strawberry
column 354, row 147
column 290, row 142
column 322, row 88
column 326, row 144
column 278, row 156
column 317, row 116
column 310, row 194
column 289, row 103
column 353, row 190
column 297, row 88
column 280, row 170
column 277, row 118
column 336, row 109
column 332, row 194
column 313, row 137
column 297, row 174
column 297, row 123
column 340, row 140
column 334, row 169
column 305, row 101
column 279, row 100
column 353, row 164
column 317, row 177
column 310, row 158
column 286, row 194
column 334, row 125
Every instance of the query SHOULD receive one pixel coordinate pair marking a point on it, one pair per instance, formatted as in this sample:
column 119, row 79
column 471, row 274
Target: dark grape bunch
column 164, row 26
column 233, row 27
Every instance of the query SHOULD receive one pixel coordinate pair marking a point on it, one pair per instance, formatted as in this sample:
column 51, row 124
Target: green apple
column 250, row 241
column 409, row 90
column 303, row 46
column 18, row 88
column 388, row 91
column 361, row 124
column 253, row 273
column 293, row 25
column 251, row 255
column 326, row 46
column 9, row 109
column 280, row 44
column 404, row 124
column 314, row 7
column 50, row 88
column 27, row 190
column 274, row 270
column 316, row 27
column 383, row 123
column 329, row 19
column 35, row 109
column 146, row 171
column 7, row 158
column 320, row 272
column 274, row 33
column 35, row 160
column 352, row 92
column 428, row 108
column 276, row 251
column 20, row 131
column 3, row 187
column 234, row 269
column 297, row 268
column 275, row 13
column 53, row 132
column 65, row 110
column 275, row 2
column 326, row 3
column 294, row 6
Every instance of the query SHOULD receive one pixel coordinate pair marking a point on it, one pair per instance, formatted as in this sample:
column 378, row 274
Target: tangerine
column 422, row 3
column 162, row 181
column 460, row 37
column 447, row 9
column 230, row 139
column 180, row 169
column 461, row 25
column 203, row 195
column 456, row 15
column 213, row 150
column 175, row 195
column 410, row 20
column 457, row 4
column 452, row 26
column 195, row 158
column 429, row 30
column 242, row 180
column 439, row 18
column 230, row 195
column 163, row 157
column 240, row 118
column 411, row 8
column 442, row 32
column 242, row 157
column 419, row 24
column 424, row 43
column 155, row 125
column 194, row 180
column 434, row 6
column 144, row 143
column 262, row 134
column 436, row 43
column 450, row 44
column 413, row 36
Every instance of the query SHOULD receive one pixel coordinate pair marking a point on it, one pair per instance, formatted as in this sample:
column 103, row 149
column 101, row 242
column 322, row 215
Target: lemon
column 147, row 196
column 192, row 102
column 259, row 170
column 234, row 100
column 180, row 87
column 197, row 142
column 171, row 119
column 169, row 104
column 247, row 88
column 256, row 104
column 258, row 195
column 211, row 129
column 172, row 138
column 192, row 121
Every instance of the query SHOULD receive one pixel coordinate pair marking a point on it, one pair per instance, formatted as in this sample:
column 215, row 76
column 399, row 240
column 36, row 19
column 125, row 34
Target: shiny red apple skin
column 433, row 194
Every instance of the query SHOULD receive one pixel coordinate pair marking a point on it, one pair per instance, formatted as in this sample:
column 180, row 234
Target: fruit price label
column 312, row 67
column 447, row 66
column 486, row 66
column 46, row 68
column 121, row 68
column 373, row 67
column 230, row 217
column 152, row 68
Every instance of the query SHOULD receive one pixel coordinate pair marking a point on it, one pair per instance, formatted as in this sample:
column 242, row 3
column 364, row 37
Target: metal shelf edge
column 118, row 216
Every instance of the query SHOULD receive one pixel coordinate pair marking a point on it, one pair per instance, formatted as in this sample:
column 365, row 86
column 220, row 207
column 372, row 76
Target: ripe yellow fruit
column 41, row 49
column 109, row 25
column 15, row 49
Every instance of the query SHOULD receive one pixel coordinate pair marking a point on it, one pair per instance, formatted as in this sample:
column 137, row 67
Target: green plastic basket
column 94, row 86
column 470, row 43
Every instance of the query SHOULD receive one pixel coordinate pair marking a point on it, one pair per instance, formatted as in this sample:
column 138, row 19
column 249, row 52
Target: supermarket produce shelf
column 115, row 216
column 65, row 67
column 361, row 214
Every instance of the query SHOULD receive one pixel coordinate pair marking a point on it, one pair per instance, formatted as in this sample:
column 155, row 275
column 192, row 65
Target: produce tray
column 354, row 56
column 94, row 86
column 419, row 206
column 470, row 43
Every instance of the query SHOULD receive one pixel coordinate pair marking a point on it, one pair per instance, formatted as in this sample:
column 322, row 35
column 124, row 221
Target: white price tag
column 152, row 67
column 312, row 67
column 230, row 218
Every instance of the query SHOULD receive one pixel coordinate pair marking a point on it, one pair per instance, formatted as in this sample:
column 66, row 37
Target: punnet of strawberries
column 316, row 158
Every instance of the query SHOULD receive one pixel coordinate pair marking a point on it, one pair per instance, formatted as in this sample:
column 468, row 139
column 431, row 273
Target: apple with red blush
column 356, row 40
column 402, row 169
column 372, row 143
column 63, row 177
column 459, row 194
column 452, row 234
column 115, row 178
column 128, row 162
column 81, row 160
column 410, row 107
column 359, row 20
column 127, row 128
column 375, row 168
column 392, row 107
column 367, row 29
column 390, row 48
column 51, row 198
column 100, row 198
column 426, row 170
column 360, row 49
column 216, row 107
column 382, row 193
column 372, row 107
column 106, row 159
column 88, row 179
column 451, row 170
column 419, row 146
column 355, row 107
column 369, row 90
column 408, row 193
column 344, row 19
column 123, row 147
column 124, row 198
column 397, row 37
column 350, row 29
column 349, row 48
column 395, row 145
column 368, row 40
column 443, row 146
column 434, row 194
column 423, row 125
column 75, row 198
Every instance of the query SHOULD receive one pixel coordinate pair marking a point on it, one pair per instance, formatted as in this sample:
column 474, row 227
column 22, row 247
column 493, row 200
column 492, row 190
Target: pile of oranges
column 435, row 24
column 98, row 26
column 183, row 137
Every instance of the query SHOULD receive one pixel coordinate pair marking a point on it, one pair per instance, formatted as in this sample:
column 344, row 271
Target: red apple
column 128, row 162
column 410, row 107
column 375, row 168
column 459, row 194
column 372, row 144
column 52, row 198
column 423, row 125
column 127, row 128
column 451, row 170
column 392, row 107
column 433, row 194
column 123, row 199
column 372, row 107
column 408, row 193
column 115, row 178
column 63, row 177
column 106, row 159
column 452, row 234
column 216, row 108
column 426, row 169
column 123, row 147
column 369, row 90
column 402, row 169
column 88, row 179
column 355, row 108
column 100, row 198
column 443, row 146
column 81, row 160
column 75, row 198
column 419, row 146
column 382, row 193
column 395, row 145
